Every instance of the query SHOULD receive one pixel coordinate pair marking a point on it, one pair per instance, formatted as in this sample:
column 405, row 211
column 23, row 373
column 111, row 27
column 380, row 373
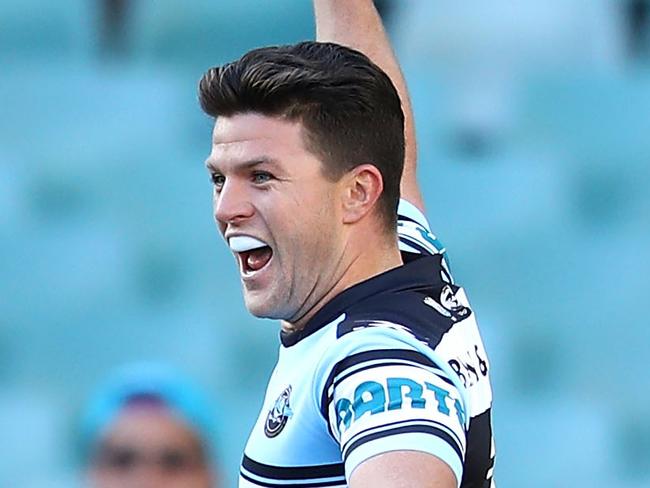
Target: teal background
column 533, row 123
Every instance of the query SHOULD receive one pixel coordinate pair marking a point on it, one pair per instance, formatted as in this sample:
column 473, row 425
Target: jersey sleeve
column 414, row 232
column 385, row 392
column 416, row 238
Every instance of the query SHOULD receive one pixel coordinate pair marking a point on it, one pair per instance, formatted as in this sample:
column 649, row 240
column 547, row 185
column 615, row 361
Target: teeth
column 245, row 243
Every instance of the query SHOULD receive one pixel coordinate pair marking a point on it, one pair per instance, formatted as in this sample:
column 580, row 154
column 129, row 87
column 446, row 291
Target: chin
column 261, row 307
column 264, row 307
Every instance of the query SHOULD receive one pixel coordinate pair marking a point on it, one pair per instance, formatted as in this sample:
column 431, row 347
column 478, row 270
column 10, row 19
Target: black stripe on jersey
column 319, row 484
column 491, row 465
column 445, row 270
column 444, row 265
column 416, row 422
column 415, row 245
column 361, row 357
column 478, row 455
column 293, row 472
column 409, row 219
column 420, row 429
column 390, row 363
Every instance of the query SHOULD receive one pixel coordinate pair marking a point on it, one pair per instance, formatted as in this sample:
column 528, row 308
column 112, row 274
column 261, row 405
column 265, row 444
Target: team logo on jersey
column 279, row 414
column 448, row 305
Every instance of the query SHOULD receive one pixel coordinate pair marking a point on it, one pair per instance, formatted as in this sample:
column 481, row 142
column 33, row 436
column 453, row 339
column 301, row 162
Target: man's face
column 147, row 447
column 269, row 187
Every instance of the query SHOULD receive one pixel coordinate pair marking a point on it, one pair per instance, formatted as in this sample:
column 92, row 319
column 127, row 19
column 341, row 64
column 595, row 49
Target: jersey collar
column 412, row 274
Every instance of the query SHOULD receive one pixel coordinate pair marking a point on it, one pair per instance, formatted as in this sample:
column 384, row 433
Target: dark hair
column 349, row 107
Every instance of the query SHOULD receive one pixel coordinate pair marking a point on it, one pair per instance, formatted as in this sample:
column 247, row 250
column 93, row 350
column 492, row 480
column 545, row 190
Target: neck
column 362, row 266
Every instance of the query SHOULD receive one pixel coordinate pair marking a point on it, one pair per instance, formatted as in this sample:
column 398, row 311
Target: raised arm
column 356, row 24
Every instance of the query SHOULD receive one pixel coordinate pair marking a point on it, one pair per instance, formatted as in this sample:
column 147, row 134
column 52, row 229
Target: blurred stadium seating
column 533, row 128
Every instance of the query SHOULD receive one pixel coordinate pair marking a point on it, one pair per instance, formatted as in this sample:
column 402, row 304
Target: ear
column 362, row 188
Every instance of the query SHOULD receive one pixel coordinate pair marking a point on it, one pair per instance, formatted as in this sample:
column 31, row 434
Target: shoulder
column 414, row 231
column 382, row 388
column 425, row 312
column 367, row 348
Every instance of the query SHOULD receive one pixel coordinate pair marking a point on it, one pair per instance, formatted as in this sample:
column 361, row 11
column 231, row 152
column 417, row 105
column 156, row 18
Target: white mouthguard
column 245, row 243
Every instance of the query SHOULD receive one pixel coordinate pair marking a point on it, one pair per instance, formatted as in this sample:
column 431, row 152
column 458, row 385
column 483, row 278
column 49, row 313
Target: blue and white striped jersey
column 393, row 363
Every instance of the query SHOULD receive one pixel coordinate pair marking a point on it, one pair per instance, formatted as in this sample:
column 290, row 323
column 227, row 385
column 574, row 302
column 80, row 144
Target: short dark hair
column 349, row 107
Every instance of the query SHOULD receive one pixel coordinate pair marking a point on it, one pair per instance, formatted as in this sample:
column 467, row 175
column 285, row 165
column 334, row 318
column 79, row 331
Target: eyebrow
column 246, row 165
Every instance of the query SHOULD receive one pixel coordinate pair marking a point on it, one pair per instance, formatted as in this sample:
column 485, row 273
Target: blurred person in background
column 148, row 426
column 382, row 379
column 113, row 26
column 637, row 23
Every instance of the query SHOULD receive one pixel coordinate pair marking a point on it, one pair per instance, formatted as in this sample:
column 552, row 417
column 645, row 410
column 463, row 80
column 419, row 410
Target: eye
column 218, row 180
column 260, row 177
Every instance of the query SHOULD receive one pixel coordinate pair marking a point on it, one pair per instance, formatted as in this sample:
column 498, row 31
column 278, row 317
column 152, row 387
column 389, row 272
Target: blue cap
column 157, row 380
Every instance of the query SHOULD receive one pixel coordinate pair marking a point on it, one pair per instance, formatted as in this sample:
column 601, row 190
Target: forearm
column 356, row 23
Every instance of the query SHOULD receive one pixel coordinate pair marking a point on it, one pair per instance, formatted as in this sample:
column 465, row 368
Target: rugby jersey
column 395, row 362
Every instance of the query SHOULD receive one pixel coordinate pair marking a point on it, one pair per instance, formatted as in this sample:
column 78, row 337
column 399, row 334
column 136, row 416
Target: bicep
column 403, row 469
column 409, row 188
column 394, row 400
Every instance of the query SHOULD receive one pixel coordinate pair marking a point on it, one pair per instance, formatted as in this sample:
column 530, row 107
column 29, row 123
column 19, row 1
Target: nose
column 146, row 477
column 231, row 204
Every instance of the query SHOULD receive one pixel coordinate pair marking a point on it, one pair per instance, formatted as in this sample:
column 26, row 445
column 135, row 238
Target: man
column 148, row 427
column 382, row 378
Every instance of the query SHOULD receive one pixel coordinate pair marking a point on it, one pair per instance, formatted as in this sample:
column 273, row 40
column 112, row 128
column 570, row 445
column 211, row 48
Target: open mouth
column 253, row 253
